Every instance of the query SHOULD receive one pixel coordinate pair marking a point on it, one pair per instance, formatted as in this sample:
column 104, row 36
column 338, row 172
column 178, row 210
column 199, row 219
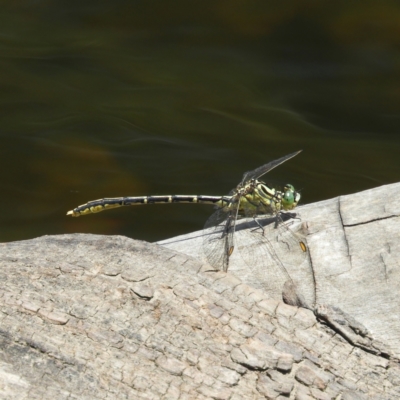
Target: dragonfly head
column 290, row 197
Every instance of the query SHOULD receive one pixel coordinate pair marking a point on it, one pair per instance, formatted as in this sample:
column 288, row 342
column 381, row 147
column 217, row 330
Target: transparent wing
column 218, row 237
column 267, row 167
column 277, row 253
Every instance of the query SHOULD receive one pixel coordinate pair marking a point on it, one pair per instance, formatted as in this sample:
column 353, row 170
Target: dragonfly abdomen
column 96, row 206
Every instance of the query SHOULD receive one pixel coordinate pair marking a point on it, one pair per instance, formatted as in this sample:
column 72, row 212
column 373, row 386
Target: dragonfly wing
column 258, row 172
column 218, row 237
column 277, row 254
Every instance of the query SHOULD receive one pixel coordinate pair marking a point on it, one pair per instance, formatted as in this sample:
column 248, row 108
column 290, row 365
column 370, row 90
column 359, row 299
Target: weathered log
column 354, row 258
column 85, row 316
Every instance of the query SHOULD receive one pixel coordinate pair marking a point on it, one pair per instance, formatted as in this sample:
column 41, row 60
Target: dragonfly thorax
column 257, row 198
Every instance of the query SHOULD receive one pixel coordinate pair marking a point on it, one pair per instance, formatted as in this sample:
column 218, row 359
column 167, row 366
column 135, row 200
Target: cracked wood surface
column 354, row 247
column 99, row 317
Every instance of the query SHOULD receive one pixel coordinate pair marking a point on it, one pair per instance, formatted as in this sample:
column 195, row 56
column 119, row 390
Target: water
column 105, row 100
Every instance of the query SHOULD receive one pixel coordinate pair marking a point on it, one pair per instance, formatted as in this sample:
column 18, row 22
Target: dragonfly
column 264, row 227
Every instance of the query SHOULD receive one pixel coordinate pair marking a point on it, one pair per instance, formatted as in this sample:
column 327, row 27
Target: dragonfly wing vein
column 218, row 237
column 260, row 171
column 277, row 254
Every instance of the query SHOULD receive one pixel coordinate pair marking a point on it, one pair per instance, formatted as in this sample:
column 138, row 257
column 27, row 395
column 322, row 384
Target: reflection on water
column 114, row 99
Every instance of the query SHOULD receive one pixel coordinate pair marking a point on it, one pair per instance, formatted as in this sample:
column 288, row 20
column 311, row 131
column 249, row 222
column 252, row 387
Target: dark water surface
column 103, row 99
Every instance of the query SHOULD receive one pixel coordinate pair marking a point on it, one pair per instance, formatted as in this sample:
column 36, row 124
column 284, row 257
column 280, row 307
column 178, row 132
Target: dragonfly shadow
column 252, row 223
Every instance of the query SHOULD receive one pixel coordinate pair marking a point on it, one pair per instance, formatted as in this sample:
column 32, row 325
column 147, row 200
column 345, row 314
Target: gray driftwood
column 354, row 253
column 95, row 317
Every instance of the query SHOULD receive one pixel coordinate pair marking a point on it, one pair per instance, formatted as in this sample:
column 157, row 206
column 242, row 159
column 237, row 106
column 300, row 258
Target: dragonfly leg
column 258, row 224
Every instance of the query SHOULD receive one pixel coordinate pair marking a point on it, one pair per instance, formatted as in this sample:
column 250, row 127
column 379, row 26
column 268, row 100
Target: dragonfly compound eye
column 288, row 199
column 289, row 187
